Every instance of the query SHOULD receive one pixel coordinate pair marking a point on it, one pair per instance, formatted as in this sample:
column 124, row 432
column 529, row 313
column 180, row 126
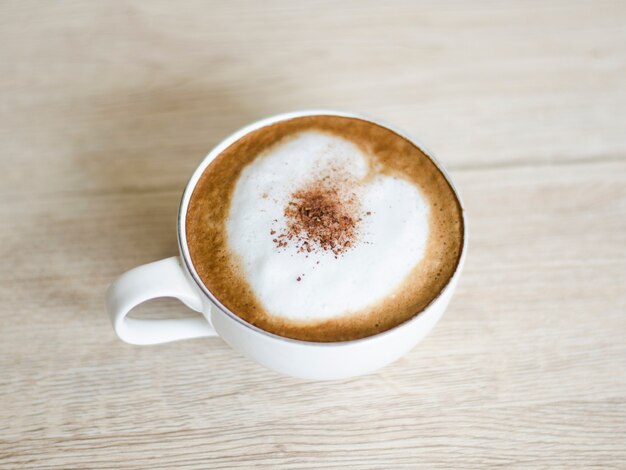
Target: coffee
column 324, row 228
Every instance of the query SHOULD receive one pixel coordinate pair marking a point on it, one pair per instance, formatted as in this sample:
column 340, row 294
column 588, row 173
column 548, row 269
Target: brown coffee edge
column 219, row 267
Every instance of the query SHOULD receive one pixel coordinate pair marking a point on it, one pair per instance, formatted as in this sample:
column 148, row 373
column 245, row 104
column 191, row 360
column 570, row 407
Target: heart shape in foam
column 321, row 284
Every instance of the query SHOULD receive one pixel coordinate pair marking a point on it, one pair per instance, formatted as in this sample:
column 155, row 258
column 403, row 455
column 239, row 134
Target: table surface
column 106, row 109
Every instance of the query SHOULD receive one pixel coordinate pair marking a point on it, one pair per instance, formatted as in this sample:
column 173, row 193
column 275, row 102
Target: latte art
column 324, row 228
column 326, row 270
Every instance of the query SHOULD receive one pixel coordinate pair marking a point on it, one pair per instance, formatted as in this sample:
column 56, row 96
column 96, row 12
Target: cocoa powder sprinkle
column 321, row 216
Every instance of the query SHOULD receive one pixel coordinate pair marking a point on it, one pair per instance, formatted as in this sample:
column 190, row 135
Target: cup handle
column 165, row 278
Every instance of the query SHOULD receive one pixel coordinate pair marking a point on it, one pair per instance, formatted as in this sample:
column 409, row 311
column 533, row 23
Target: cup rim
column 235, row 136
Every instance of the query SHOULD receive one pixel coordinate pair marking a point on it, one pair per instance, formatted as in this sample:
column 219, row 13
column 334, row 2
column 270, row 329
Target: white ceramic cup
column 176, row 277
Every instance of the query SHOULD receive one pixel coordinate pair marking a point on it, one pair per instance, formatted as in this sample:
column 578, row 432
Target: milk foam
column 391, row 239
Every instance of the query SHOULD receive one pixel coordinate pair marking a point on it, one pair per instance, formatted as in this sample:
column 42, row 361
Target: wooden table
column 106, row 107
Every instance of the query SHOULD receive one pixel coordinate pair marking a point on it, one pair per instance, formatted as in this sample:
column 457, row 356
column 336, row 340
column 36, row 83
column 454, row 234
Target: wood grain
column 108, row 106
